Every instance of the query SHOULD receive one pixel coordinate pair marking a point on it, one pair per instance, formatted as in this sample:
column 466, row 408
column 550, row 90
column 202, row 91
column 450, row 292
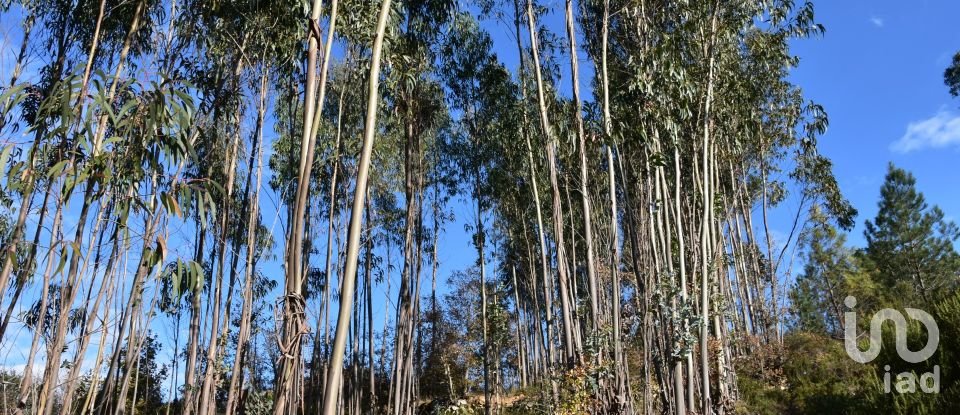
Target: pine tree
column 951, row 76
column 909, row 241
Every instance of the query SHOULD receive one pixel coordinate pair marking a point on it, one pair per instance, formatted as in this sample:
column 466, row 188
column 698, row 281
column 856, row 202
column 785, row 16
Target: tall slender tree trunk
column 23, row 276
column 26, row 382
column 544, row 265
column 332, row 389
column 92, row 314
column 328, row 267
column 253, row 213
column 206, row 390
column 584, row 194
column 193, row 347
column 294, row 327
column 569, row 353
column 368, row 284
column 481, row 261
column 706, row 224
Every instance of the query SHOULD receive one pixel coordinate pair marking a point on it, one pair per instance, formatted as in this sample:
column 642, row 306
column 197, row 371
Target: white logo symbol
column 905, row 381
column 850, row 333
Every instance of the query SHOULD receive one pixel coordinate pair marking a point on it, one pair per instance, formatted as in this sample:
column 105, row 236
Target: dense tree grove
column 240, row 206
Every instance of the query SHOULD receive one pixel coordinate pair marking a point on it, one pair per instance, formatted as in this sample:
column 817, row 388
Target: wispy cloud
column 877, row 21
column 940, row 131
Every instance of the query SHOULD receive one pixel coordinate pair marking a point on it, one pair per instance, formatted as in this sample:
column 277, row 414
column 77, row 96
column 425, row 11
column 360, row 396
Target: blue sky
column 878, row 71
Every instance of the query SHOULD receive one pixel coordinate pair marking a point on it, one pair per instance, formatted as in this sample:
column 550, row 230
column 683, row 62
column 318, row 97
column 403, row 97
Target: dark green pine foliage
column 951, row 76
column 910, row 242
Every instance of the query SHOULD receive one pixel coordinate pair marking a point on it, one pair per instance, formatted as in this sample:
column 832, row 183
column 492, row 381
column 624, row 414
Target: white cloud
column 940, row 131
column 877, row 21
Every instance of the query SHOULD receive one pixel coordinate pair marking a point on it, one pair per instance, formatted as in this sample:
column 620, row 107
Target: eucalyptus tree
column 251, row 206
column 236, row 38
column 216, row 73
column 65, row 31
column 83, row 151
column 312, row 109
column 168, row 134
column 483, row 93
column 582, row 148
column 416, row 98
column 53, row 16
column 570, row 345
column 525, row 132
column 690, row 67
column 335, row 374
